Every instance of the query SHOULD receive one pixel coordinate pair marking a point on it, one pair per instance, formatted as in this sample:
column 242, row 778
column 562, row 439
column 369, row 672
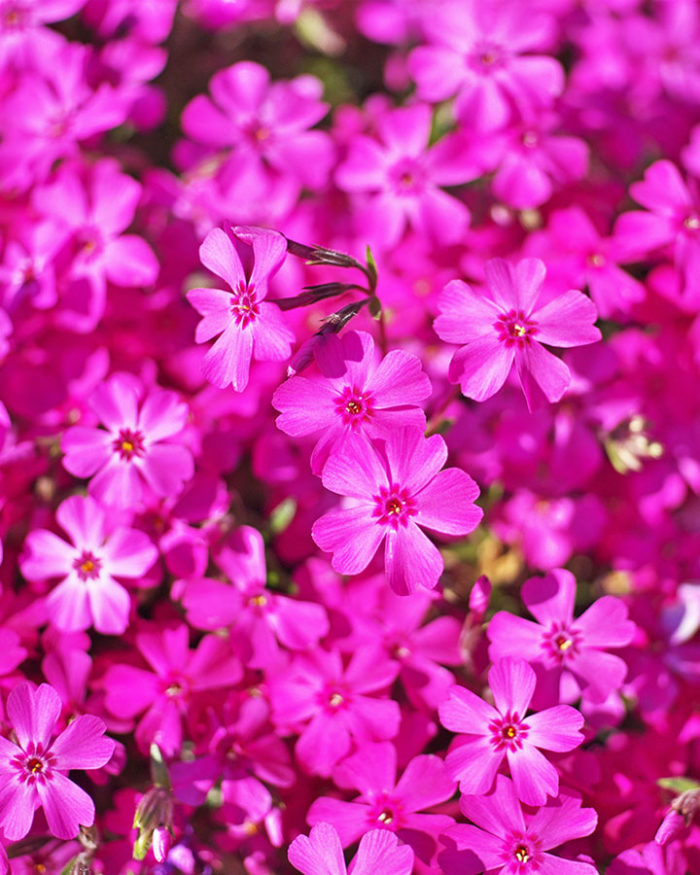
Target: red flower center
column 87, row 565
column 508, row 732
column 354, row 406
column 128, row 444
column 244, row 306
column 394, row 506
column 562, row 642
column 515, row 329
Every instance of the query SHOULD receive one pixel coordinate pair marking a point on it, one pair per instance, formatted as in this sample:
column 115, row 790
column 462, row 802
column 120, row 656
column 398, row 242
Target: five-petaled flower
column 32, row 772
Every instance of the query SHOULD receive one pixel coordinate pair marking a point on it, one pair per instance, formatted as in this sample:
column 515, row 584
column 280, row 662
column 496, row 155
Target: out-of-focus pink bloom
column 509, row 841
column 33, row 770
column 396, row 486
column 134, row 455
column 398, row 179
column 21, row 25
column 52, row 109
column 331, row 705
column 258, row 617
column 532, row 158
column 507, row 326
column 388, row 803
column 168, row 692
column 358, row 393
column 478, row 52
column 264, row 124
column 95, row 206
column 322, row 854
column 673, row 219
column 585, row 258
column 143, row 22
column 99, row 551
column 488, row 735
column 561, row 643
column 247, row 324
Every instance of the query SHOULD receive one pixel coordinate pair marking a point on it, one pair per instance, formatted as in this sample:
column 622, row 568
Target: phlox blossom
column 507, row 840
column 492, row 734
column 320, row 853
column 32, row 771
column 99, row 551
column 247, row 324
column 507, row 325
column 134, row 452
column 395, row 487
column 358, row 392
column 561, row 643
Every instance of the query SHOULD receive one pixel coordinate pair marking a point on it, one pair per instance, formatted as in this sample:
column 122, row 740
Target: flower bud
column 162, row 842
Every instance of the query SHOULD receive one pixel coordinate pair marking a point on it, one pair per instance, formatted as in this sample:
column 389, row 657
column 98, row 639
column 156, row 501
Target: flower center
column 35, row 765
column 562, row 642
column 529, row 139
column 596, row 259
column 128, row 444
column 407, row 176
column 354, row 406
column 522, row 854
column 335, row 700
column 691, row 223
column 244, row 306
column 515, row 329
column 385, row 816
column 508, row 732
column 87, row 565
column 258, row 601
column 394, row 507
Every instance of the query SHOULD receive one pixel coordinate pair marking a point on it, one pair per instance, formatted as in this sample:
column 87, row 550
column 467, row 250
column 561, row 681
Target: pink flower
column 99, row 551
column 490, row 734
column 560, row 643
column 169, row 691
column 507, row 840
column 33, row 770
column 264, row 124
column 399, row 180
column 387, row 803
column 358, row 393
column 396, row 487
column 477, row 50
column 507, row 326
column 673, row 220
column 133, row 455
column 322, row 854
column 246, row 323
column 330, row 704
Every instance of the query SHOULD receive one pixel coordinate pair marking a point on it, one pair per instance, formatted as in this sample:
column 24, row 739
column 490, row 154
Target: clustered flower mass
column 349, row 437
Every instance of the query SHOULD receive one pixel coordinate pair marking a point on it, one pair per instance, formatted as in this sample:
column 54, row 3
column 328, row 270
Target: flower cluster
column 349, row 437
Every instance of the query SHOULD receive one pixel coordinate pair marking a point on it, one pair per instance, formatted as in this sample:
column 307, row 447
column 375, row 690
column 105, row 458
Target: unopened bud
column 479, row 597
column 162, row 842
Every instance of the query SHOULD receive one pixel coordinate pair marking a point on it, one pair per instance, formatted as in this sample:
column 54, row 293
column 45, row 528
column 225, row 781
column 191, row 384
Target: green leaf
column 678, row 785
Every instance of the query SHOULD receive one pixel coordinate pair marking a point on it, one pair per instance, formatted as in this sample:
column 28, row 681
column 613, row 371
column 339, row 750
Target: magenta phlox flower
column 99, row 553
column 395, row 487
column 673, row 219
column 321, row 853
column 170, row 690
column 264, row 124
column 422, row 649
column 133, row 456
column 532, row 158
column 358, row 392
column 22, row 26
column 488, row 735
column 507, row 840
column 506, row 325
column 27, row 271
column 245, row 755
column 395, row 22
column 481, row 52
column 332, row 705
column 247, row 324
column 387, row 803
column 52, row 109
column 560, row 643
column 586, row 258
column 33, row 770
column 259, row 619
column 398, row 180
